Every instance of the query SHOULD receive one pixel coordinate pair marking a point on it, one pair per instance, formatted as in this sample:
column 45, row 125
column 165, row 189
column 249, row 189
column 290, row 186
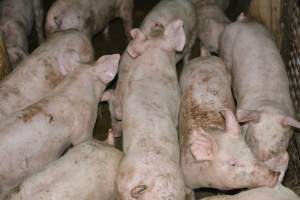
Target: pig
column 213, row 152
column 264, row 193
column 211, row 23
column 87, row 171
column 17, row 18
column 33, row 137
column 4, row 63
column 88, row 16
column 150, row 168
column 163, row 13
column 37, row 75
column 261, row 90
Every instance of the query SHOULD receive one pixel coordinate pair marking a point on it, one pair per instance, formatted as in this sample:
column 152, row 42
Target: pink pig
column 150, row 169
column 213, row 152
column 261, row 89
column 37, row 135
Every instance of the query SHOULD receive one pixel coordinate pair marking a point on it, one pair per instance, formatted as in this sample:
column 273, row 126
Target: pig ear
column 288, row 121
column 138, row 45
column 232, row 125
column 203, row 146
column 67, row 61
column 248, row 115
column 107, row 67
column 174, row 36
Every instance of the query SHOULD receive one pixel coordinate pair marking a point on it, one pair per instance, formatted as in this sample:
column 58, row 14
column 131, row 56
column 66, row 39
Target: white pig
column 213, row 152
column 211, row 23
column 88, row 16
column 150, row 169
column 38, row 134
column 17, row 18
column 163, row 13
column 261, row 89
column 264, row 193
column 43, row 70
column 87, row 171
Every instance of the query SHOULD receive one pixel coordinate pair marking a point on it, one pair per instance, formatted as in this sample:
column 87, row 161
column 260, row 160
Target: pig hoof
column 137, row 191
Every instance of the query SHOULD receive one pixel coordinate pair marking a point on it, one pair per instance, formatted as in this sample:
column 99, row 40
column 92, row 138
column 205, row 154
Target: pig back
column 87, row 171
column 205, row 90
column 258, row 69
column 40, row 72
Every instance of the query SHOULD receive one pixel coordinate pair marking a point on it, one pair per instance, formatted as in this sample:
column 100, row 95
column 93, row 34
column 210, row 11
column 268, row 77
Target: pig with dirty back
column 211, row 23
column 33, row 137
column 87, row 171
column 150, row 168
column 213, row 151
column 88, row 16
column 44, row 69
column 17, row 18
column 163, row 13
column 264, row 193
column 261, row 89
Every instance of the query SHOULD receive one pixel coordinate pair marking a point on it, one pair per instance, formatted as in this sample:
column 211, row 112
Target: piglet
column 87, row 171
column 264, row 193
column 211, row 23
column 261, row 89
column 88, row 16
column 44, row 69
column 213, row 152
column 38, row 134
column 17, row 18
column 150, row 169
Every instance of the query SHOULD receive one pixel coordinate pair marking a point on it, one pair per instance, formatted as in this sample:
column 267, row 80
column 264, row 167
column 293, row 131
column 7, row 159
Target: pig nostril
column 137, row 191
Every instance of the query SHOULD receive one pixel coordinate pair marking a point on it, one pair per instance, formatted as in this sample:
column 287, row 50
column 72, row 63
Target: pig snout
column 264, row 176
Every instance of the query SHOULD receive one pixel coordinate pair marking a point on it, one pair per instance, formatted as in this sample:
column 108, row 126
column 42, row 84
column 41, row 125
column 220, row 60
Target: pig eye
column 234, row 163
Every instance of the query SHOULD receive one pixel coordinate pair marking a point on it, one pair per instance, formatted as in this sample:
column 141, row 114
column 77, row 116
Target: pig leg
column 39, row 18
column 279, row 164
column 126, row 12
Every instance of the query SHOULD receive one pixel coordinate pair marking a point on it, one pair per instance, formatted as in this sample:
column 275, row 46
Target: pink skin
column 66, row 116
column 264, row 106
column 88, row 16
column 150, row 169
column 264, row 193
column 16, row 28
column 88, row 170
column 163, row 13
column 43, row 70
column 211, row 24
column 213, row 152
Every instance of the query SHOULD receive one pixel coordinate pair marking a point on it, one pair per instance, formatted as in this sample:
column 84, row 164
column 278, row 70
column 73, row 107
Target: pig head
column 222, row 160
column 268, row 134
